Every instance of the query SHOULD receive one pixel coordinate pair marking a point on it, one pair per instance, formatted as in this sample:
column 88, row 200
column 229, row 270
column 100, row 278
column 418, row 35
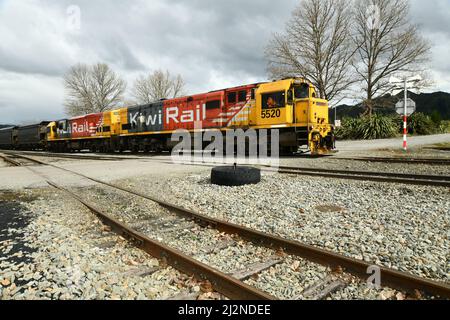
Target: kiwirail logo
column 230, row 146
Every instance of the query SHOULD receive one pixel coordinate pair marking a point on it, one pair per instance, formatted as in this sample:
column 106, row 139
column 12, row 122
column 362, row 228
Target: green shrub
column 348, row 129
column 436, row 117
column 419, row 123
column 380, row 127
column 366, row 128
column 376, row 127
column 444, row 126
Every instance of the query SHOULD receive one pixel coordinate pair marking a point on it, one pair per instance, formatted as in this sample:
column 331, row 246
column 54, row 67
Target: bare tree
column 156, row 86
column 317, row 46
column 178, row 86
column 387, row 44
column 92, row 89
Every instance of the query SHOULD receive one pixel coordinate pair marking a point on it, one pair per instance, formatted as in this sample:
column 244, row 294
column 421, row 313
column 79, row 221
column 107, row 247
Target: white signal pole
column 405, row 82
column 405, row 118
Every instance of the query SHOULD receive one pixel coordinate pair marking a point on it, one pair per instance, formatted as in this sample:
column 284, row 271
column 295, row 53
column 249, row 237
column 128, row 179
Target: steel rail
column 133, row 156
column 390, row 177
column 68, row 156
column 221, row 282
column 10, row 161
column 397, row 160
column 389, row 277
column 414, row 179
column 372, row 173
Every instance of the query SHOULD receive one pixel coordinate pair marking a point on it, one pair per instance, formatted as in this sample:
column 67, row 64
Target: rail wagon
column 32, row 136
column 8, row 137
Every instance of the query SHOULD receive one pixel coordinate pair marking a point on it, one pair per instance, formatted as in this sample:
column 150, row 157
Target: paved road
column 364, row 145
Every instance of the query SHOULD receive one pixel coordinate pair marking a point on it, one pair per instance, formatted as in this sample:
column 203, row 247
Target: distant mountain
column 5, row 126
column 436, row 104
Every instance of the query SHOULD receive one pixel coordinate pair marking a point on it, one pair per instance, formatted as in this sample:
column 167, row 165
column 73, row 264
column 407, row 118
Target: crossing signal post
column 406, row 107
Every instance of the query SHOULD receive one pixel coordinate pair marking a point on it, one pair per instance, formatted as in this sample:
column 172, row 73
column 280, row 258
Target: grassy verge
column 442, row 146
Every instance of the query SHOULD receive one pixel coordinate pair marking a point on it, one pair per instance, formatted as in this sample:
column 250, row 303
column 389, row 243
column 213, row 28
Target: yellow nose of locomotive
column 292, row 106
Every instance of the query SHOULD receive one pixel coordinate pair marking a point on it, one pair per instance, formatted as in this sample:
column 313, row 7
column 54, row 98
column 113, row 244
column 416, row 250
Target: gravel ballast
column 70, row 255
column 288, row 279
column 351, row 165
column 399, row 226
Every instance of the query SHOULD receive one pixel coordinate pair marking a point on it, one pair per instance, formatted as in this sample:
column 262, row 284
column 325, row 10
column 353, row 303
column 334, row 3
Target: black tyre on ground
column 235, row 176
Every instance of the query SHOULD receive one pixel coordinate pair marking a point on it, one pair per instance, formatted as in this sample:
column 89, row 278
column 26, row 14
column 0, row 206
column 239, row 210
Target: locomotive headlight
column 311, row 128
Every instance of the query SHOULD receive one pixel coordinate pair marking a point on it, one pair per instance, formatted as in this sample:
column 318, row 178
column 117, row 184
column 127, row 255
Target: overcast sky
column 213, row 44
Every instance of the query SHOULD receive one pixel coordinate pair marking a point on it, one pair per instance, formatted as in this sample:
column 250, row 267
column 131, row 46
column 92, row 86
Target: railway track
column 223, row 283
column 388, row 177
column 131, row 156
column 404, row 160
column 18, row 161
column 79, row 156
column 230, row 285
column 414, row 179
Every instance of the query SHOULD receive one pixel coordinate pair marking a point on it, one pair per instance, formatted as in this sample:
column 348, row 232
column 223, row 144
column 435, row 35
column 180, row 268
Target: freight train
column 289, row 105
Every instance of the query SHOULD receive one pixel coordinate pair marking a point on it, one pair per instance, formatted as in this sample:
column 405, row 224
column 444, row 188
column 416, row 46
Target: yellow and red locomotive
column 288, row 105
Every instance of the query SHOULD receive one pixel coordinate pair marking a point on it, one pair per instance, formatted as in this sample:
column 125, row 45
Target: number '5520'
column 275, row 113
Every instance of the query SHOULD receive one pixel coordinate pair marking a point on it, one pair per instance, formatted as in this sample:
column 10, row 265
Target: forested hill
column 436, row 104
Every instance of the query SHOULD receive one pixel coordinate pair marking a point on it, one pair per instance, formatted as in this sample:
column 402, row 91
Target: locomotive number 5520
column 274, row 113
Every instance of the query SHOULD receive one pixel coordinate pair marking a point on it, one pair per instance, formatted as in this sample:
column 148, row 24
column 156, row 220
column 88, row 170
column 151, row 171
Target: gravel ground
column 75, row 257
column 398, row 226
column 149, row 162
column 286, row 280
column 394, row 144
column 65, row 253
column 428, row 151
column 330, row 163
column 3, row 164
column 419, row 152
column 404, row 227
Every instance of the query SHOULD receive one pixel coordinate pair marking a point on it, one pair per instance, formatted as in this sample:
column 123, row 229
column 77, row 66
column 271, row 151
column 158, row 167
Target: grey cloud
column 431, row 16
column 28, row 97
column 211, row 43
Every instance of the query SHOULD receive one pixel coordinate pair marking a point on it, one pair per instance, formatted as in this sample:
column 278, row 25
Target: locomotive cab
column 291, row 106
column 272, row 104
